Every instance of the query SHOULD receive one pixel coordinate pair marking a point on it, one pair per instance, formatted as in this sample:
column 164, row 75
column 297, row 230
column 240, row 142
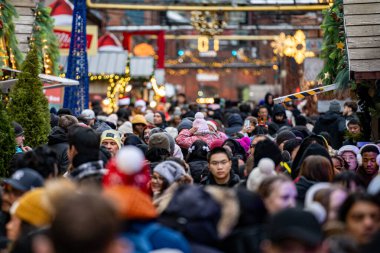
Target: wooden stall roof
column 362, row 26
column 24, row 24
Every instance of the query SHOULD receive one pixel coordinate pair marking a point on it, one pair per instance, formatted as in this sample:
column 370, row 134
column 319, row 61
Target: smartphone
column 247, row 123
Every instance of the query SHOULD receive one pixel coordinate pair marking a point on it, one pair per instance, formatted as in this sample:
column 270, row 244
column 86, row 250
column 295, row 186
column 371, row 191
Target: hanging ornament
column 327, row 75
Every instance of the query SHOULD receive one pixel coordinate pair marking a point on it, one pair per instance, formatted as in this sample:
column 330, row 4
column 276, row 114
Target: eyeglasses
column 216, row 163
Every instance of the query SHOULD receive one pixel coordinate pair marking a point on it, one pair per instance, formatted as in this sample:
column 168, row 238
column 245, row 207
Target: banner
column 63, row 34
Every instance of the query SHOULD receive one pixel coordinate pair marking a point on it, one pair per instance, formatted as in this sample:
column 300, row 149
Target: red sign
column 54, row 96
column 65, row 36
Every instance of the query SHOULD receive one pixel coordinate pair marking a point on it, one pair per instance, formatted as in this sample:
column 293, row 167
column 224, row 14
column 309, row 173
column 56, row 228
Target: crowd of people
column 190, row 178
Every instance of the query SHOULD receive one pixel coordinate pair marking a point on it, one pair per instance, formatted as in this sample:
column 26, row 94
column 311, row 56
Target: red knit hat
column 128, row 167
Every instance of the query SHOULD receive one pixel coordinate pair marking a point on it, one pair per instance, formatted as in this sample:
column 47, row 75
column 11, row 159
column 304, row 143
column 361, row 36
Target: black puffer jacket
column 198, row 170
column 57, row 141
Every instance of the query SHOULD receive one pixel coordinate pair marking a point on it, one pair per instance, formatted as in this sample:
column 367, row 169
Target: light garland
column 160, row 91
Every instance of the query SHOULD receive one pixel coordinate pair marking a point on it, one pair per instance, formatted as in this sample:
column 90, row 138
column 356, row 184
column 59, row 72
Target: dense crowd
column 188, row 178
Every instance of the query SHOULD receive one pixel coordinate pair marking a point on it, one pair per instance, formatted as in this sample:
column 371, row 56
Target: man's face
column 9, row 196
column 353, row 129
column 363, row 221
column 20, row 140
column 350, row 158
column 369, row 163
column 111, row 146
column 220, row 166
column 263, row 113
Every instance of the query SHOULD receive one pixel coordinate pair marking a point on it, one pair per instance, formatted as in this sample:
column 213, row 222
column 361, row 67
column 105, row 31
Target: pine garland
column 7, row 141
column 44, row 38
column 334, row 53
column 28, row 105
column 8, row 13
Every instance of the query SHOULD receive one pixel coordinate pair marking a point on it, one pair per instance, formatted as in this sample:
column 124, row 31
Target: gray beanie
column 159, row 140
column 185, row 124
column 171, row 143
column 170, row 170
column 334, row 106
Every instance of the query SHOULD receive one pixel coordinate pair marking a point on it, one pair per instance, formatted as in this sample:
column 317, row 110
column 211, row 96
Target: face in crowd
column 369, row 163
column 353, row 128
column 282, row 195
column 111, row 146
column 363, row 221
column 220, row 167
column 351, row 159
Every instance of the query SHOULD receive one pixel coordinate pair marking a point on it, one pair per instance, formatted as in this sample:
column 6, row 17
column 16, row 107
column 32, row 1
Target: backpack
column 141, row 239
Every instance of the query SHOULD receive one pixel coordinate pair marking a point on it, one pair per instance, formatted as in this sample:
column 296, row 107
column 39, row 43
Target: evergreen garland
column 7, row 30
column 44, row 38
column 28, row 105
column 334, row 53
column 7, row 141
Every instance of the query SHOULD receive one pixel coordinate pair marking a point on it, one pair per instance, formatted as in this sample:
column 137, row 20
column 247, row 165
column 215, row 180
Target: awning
column 103, row 62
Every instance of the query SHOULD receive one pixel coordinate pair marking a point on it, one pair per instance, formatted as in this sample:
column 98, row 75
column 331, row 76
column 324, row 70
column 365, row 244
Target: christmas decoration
column 44, row 38
column 8, row 42
column 28, row 105
column 76, row 98
column 333, row 48
column 7, row 141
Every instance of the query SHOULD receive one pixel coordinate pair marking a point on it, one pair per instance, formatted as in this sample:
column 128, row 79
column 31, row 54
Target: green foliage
column 8, row 12
column 28, row 105
column 7, row 141
column 335, row 58
column 44, row 38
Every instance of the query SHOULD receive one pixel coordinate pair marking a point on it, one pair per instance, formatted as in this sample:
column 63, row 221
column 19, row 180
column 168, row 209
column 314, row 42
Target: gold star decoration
column 320, row 81
column 340, row 45
column 327, row 75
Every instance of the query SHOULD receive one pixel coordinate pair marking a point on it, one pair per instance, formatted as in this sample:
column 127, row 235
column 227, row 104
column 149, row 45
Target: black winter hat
column 18, row 129
column 269, row 149
column 285, row 136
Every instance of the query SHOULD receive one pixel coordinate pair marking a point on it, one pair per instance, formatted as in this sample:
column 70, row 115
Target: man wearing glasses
column 220, row 169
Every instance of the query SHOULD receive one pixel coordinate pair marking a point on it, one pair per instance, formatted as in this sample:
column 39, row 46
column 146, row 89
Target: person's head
column 146, row 133
column 292, row 146
column 66, row 121
column 19, row 134
column 317, row 168
column 349, row 154
column 348, row 180
column 257, row 139
column 181, row 98
column 219, row 164
column 269, row 98
column 138, row 124
column 165, row 174
column 339, row 164
column 21, row 181
column 361, row 214
column 334, row 106
column 42, row 159
column 198, row 151
column 262, row 112
column 349, row 108
column 279, row 113
column 370, row 158
column 278, row 193
column 157, row 119
column 89, row 115
column 30, row 212
column 159, row 140
column 269, row 149
column 354, row 126
column 111, row 139
column 293, row 230
column 83, row 141
column 82, row 234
